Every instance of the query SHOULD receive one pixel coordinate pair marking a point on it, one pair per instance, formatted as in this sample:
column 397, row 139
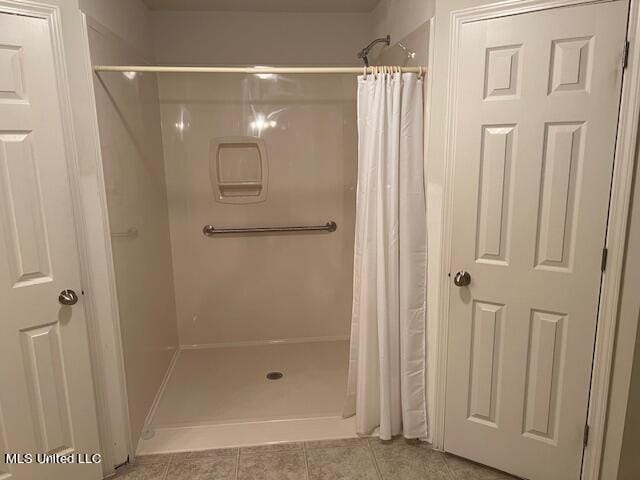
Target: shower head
column 364, row 53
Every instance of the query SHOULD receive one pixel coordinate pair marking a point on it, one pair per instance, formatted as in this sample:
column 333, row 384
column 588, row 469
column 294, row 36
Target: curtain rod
column 254, row 70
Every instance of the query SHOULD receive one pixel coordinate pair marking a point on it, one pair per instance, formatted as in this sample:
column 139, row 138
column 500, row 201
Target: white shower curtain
column 386, row 386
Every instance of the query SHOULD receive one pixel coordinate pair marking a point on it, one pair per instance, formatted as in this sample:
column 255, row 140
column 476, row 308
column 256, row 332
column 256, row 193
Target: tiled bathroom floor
column 228, row 384
column 349, row 459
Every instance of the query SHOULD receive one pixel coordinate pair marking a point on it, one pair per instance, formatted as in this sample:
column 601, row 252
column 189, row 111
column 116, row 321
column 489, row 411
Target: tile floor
column 349, row 459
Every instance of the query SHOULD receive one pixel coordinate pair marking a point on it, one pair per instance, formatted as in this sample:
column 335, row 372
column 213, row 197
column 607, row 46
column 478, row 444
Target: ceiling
column 310, row 6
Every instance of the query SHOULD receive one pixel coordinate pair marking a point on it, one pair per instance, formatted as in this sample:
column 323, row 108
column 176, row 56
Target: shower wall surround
column 251, row 288
column 131, row 146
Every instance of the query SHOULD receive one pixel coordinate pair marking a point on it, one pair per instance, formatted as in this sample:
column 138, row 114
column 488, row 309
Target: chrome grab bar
column 210, row 230
column 131, row 233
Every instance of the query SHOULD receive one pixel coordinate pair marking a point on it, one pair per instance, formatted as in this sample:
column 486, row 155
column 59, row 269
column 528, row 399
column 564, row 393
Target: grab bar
column 131, row 233
column 210, row 230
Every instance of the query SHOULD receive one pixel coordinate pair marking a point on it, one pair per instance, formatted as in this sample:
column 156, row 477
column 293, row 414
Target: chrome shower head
column 364, row 53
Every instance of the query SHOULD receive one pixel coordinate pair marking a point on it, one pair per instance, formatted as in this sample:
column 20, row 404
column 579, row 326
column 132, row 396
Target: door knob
column 68, row 297
column 462, row 279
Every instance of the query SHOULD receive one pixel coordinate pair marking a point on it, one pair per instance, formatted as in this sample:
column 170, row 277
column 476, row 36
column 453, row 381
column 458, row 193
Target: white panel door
column 537, row 109
column 46, row 391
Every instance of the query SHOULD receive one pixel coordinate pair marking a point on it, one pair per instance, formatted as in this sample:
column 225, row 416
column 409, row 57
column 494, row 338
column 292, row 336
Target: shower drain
column 274, row 375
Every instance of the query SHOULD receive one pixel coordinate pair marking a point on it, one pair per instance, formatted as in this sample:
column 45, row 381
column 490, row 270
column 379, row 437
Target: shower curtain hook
column 364, row 72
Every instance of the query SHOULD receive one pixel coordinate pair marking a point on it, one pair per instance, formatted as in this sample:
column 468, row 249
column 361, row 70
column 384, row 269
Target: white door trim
column 81, row 141
column 616, row 243
column 616, row 228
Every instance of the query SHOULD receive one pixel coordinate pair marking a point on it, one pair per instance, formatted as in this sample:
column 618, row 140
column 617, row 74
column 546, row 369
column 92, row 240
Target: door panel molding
column 559, row 189
column 496, row 159
column 486, row 352
column 618, row 212
column 49, row 398
column 23, row 210
column 544, row 367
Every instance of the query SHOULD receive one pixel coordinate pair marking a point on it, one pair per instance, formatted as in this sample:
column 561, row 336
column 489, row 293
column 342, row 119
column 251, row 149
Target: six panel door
column 536, row 116
column 46, row 394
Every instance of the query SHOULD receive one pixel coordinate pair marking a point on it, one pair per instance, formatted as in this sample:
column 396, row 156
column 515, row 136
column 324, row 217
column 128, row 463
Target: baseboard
column 336, row 338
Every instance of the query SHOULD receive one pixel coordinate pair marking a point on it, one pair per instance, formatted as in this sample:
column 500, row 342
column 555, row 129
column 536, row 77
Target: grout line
column 446, row 464
column 166, row 468
column 306, row 460
column 373, row 457
column 237, row 465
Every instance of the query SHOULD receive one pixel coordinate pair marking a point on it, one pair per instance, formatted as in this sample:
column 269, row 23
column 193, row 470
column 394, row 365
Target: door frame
column 73, row 70
column 476, row 10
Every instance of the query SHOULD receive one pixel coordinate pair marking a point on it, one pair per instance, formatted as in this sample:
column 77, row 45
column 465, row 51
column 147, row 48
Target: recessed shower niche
column 239, row 169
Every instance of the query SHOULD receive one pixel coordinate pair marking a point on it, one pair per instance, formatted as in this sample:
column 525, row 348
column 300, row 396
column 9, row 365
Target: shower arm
column 364, row 53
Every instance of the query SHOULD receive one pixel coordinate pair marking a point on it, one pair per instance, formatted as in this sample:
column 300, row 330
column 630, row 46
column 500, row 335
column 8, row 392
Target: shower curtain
column 386, row 386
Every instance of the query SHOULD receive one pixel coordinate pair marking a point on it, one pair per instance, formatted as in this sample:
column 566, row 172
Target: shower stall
column 232, row 203
column 262, row 316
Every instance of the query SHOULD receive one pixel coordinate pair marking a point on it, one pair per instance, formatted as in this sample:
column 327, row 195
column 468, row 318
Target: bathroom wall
column 132, row 158
column 259, row 38
column 265, row 287
column 416, row 43
column 399, row 18
column 128, row 19
column 234, row 38
column 629, row 459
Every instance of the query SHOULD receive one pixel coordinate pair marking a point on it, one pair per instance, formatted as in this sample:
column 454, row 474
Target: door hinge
column 603, row 263
column 585, row 439
column 625, row 55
